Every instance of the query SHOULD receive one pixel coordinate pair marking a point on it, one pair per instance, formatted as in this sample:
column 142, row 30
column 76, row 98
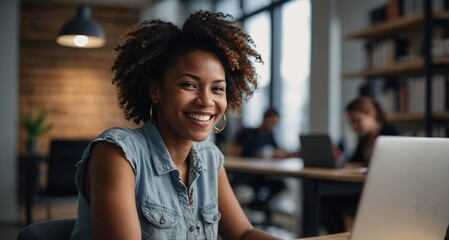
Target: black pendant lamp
column 81, row 31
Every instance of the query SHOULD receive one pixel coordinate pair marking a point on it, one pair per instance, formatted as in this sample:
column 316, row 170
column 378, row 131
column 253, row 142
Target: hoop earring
column 151, row 113
column 219, row 130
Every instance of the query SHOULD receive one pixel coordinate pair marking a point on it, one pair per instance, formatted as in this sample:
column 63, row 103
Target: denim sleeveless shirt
column 167, row 209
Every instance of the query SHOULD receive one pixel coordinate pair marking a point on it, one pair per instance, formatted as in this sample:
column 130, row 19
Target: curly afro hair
column 150, row 47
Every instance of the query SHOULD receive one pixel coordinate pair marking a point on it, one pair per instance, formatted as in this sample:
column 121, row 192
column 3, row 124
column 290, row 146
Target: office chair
column 60, row 229
column 265, row 188
column 62, row 158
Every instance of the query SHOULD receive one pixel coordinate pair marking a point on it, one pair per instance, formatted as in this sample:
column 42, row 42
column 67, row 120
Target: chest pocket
column 211, row 217
column 157, row 222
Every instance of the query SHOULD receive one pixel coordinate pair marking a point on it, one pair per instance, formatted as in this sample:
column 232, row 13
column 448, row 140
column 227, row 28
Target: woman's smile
column 200, row 117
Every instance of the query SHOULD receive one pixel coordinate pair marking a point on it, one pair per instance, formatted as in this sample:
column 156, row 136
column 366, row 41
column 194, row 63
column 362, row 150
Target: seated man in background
column 260, row 142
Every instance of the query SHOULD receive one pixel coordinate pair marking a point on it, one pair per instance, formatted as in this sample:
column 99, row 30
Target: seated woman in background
column 369, row 121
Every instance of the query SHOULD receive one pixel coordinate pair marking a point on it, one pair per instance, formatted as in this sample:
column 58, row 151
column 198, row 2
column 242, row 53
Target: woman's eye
column 218, row 89
column 188, row 85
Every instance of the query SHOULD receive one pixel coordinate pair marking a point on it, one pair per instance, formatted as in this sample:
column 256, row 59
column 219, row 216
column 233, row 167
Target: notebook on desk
column 406, row 194
column 316, row 151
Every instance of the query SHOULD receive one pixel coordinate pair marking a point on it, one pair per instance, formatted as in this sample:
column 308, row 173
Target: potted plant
column 35, row 126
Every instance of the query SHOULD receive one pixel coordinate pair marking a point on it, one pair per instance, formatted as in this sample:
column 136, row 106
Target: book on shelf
column 378, row 14
column 394, row 10
column 408, row 95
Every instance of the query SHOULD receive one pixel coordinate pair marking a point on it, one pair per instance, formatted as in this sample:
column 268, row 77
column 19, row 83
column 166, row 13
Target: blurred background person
column 260, row 143
column 369, row 121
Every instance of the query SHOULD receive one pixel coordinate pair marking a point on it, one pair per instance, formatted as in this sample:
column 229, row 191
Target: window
column 294, row 69
column 250, row 6
column 284, row 76
column 258, row 28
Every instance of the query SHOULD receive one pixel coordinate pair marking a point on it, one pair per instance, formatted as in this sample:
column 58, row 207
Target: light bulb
column 80, row 40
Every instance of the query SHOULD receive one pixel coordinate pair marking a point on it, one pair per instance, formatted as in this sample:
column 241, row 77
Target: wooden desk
column 313, row 177
column 340, row 236
column 291, row 167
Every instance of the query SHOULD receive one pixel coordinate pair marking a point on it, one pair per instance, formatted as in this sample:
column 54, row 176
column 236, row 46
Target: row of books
column 394, row 9
column 384, row 52
column 409, row 96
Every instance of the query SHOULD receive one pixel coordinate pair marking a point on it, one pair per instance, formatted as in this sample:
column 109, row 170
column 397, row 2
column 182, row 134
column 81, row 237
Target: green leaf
column 36, row 125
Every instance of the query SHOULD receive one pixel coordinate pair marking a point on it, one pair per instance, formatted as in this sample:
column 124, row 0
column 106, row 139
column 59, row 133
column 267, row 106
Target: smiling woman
column 165, row 179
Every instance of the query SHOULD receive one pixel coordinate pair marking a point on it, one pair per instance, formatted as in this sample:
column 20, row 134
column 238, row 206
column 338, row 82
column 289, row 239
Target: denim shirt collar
column 160, row 156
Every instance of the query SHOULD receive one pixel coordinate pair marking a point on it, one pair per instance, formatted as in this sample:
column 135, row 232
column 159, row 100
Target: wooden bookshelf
column 382, row 40
column 410, row 66
column 401, row 24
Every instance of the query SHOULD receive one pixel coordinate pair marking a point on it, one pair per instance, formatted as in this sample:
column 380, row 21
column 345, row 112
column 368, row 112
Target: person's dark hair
column 365, row 104
column 271, row 112
column 153, row 45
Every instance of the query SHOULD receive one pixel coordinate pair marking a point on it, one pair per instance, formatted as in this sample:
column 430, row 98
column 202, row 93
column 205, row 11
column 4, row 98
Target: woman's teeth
column 199, row 117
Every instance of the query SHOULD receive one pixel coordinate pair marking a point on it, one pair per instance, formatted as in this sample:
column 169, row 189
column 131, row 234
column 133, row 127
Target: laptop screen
column 316, row 151
column 406, row 194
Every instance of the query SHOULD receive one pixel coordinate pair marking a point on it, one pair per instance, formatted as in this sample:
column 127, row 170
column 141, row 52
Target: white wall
column 9, row 17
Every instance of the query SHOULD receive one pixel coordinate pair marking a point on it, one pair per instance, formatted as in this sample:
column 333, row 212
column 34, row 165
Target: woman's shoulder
column 131, row 142
column 120, row 133
column 128, row 139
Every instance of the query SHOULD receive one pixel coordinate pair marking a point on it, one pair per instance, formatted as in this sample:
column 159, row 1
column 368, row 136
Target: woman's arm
column 234, row 224
column 110, row 184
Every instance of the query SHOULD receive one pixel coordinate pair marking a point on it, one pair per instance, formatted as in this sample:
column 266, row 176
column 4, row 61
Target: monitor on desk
column 406, row 194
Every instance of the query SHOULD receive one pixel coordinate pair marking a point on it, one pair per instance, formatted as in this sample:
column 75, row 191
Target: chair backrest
column 62, row 158
column 59, row 229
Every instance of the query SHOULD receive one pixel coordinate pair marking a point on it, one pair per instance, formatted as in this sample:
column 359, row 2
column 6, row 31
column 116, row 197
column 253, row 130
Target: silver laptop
column 316, row 151
column 406, row 194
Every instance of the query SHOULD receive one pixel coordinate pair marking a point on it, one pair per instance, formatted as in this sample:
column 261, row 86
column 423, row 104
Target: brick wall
column 74, row 85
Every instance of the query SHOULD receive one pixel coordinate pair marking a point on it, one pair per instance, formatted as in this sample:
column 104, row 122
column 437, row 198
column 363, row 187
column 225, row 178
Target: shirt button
column 162, row 220
column 192, row 228
column 190, row 201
